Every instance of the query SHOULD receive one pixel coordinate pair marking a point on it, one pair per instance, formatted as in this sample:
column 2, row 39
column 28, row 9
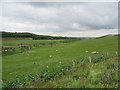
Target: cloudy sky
column 80, row 19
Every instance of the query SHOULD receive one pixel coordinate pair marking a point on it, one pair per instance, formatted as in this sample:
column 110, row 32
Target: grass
column 25, row 41
column 19, row 45
column 51, row 67
column 29, row 41
column 88, row 75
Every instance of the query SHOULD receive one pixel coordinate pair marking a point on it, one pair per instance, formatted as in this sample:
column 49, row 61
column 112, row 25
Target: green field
column 18, row 45
column 26, row 41
column 64, row 65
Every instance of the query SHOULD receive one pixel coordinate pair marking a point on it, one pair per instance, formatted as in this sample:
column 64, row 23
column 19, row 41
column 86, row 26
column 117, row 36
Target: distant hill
column 35, row 36
column 82, row 37
column 108, row 35
column 30, row 35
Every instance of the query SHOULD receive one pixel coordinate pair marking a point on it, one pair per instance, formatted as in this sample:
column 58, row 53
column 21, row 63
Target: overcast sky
column 61, row 19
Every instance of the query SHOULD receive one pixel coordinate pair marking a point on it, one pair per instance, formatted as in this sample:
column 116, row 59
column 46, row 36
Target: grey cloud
column 54, row 4
column 60, row 17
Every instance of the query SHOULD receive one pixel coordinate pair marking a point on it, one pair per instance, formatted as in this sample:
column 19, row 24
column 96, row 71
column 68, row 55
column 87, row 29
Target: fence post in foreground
column 90, row 59
column 73, row 63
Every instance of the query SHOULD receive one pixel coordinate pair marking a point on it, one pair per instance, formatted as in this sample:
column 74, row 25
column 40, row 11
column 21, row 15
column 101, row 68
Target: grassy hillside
column 86, row 75
column 29, row 35
column 70, row 63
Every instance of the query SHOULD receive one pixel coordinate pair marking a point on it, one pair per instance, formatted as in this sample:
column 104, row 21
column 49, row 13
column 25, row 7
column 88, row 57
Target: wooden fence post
column 73, row 63
column 90, row 60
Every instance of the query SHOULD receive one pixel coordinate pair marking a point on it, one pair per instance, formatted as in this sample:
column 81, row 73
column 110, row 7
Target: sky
column 71, row 19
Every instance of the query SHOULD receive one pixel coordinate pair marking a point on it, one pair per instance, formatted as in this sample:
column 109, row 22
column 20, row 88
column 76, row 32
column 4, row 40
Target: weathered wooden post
column 89, row 59
column 116, row 53
column 73, row 63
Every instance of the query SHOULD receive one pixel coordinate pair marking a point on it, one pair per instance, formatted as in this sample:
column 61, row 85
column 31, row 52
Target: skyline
column 61, row 19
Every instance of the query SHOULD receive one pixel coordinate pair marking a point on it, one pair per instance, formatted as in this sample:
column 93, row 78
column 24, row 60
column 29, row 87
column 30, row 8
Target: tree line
column 30, row 35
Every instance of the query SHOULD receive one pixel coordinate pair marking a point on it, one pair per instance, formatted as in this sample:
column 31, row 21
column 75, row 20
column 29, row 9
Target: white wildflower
column 6, row 50
column 50, row 56
column 86, row 51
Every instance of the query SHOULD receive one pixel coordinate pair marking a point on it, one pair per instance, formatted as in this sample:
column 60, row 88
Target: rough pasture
column 64, row 65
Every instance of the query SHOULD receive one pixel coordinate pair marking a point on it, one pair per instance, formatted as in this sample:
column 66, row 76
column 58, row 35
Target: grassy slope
column 41, row 58
column 87, row 75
